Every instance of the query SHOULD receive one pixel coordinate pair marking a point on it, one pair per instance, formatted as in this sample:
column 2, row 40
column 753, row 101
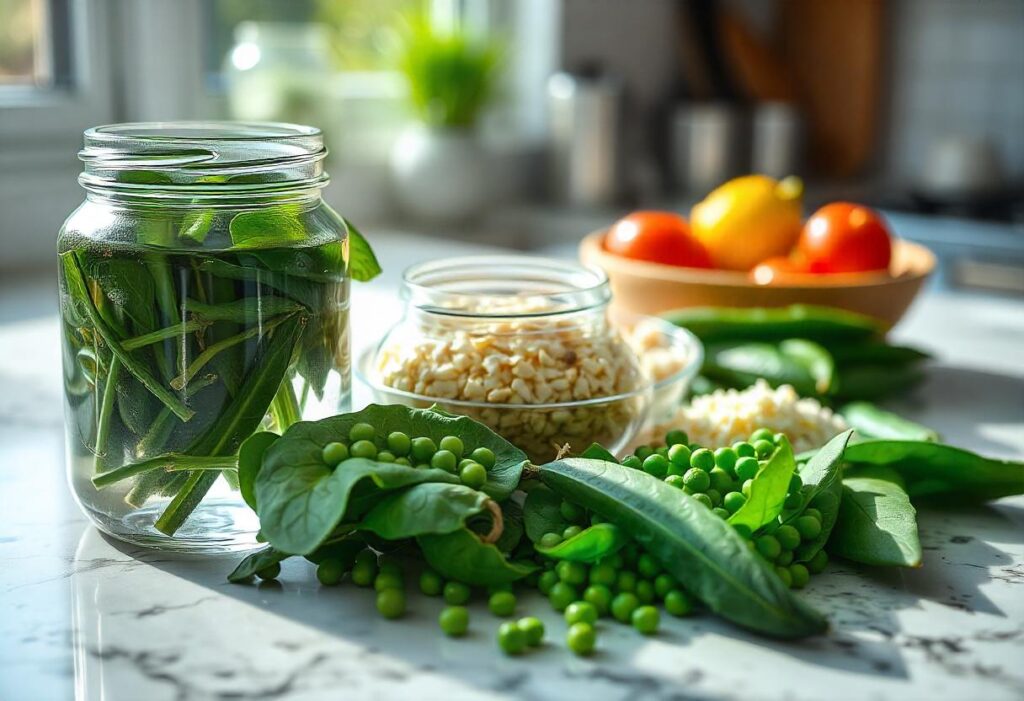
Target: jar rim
column 488, row 287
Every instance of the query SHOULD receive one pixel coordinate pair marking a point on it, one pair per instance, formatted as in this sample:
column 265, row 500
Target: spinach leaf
column 941, row 472
column 877, row 524
column 542, row 513
column 422, row 509
column 254, row 562
column 461, row 555
column 512, row 530
column 767, row 491
column 250, row 459
column 362, row 263
column 589, row 545
column 596, row 451
column 301, row 501
column 269, row 227
column 871, row 421
column 703, row 552
column 822, row 488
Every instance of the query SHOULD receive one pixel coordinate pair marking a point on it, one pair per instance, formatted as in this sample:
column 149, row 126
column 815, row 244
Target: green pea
column 502, row 603
column 444, row 460
column 676, row 437
column 745, row 489
column 596, row 519
column 403, row 462
column 794, row 500
column 629, row 554
column 744, row 450
column 812, row 512
column 581, row 638
column 656, row 465
column 363, row 573
column 761, row 434
column 333, row 453
column 455, row 593
column 363, row 449
column 615, row 560
column 768, row 545
column 662, row 451
column 645, row 591
column 633, row 462
column 646, row 620
column 726, row 458
column 817, row 563
column 715, row 496
column 663, row 584
column 453, row 444
column 399, row 443
column 626, row 581
column 330, row 571
column 533, row 629
column 746, row 468
column 788, row 536
column 785, row 558
column 422, row 466
column 677, row 603
column 643, row 452
column 368, row 556
column 799, row 575
column 676, row 481
column 389, row 564
column 270, row 571
column 599, row 596
column 454, row 621
column 574, row 573
column 550, row 540
column 546, row 581
column 580, row 611
column 647, row 566
column 422, row 449
column 679, row 458
column 703, row 459
column 386, row 456
column 721, row 513
column 391, row 602
column 388, row 580
column 561, row 595
column 571, row 512
column 704, row 499
column 763, row 449
column 720, row 479
column 431, row 583
column 484, row 456
column 696, row 480
column 362, row 432
column 784, row 575
column 808, row 527
column 473, row 476
column 571, row 531
column 602, row 573
column 623, row 606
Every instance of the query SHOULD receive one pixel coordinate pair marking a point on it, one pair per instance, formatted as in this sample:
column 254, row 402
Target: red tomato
column 777, row 269
column 845, row 238
column 659, row 237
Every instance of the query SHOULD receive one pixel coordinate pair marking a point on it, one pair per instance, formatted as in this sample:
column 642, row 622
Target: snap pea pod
column 872, row 421
column 876, row 352
column 699, row 549
column 815, row 358
column 938, row 471
column 821, row 324
column 743, row 364
column 589, row 545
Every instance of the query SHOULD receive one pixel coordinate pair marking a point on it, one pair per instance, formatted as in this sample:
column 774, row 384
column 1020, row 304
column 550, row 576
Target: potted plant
column 437, row 162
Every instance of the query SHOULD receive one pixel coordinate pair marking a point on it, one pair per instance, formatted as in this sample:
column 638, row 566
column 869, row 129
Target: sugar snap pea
column 742, row 364
column 821, row 324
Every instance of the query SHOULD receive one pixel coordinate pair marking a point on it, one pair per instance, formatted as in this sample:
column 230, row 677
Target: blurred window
column 35, row 45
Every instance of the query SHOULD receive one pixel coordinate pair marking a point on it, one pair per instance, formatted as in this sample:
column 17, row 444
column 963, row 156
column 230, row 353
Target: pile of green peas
column 449, row 454
column 720, row 479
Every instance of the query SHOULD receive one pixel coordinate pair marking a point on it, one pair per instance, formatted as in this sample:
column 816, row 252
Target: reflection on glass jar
column 204, row 296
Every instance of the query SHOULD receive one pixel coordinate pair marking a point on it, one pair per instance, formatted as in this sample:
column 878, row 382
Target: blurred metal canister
column 709, row 145
column 585, row 118
column 777, row 144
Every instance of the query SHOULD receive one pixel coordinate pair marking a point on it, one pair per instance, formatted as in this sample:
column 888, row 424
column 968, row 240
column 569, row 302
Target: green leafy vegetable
column 268, row 227
column 822, row 489
column 542, row 513
column 462, row 556
column 589, row 545
column 362, row 263
column 424, row 509
column 874, row 422
column 596, row 451
column 250, row 459
column 255, row 562
column 877, row 524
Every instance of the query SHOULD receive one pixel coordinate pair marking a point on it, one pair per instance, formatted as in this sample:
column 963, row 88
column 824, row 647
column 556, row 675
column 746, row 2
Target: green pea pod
column 742, row 365
column 877, row 524
column 823, row 489
column 876, row 353
column 767, row 491
column 872, row 421
column 814, row 358
column 821, row 324
column 703, row 552
column 874, row 381
column 542, row 513
column 254, row 562
column 941, row 472
column 589, row 545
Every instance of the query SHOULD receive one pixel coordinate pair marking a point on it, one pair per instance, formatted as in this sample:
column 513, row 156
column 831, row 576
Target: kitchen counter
column 90, row 618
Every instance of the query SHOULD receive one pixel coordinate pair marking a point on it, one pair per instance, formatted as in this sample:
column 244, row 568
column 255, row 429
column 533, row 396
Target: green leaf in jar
column 877, row 524
column 703, row 552
column 589, row 545
column 463, row 556
column 269, row 227
column 362, row 262
column 767, row 491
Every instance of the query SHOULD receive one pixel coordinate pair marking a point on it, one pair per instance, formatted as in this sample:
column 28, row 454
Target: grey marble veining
column 89, row 618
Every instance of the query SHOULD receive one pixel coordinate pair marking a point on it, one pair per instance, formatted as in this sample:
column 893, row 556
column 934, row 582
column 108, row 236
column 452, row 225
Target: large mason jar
column 204, row 297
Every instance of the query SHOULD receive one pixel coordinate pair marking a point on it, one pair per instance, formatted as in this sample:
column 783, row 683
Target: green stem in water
column 174, row 462
column 212, row 350
column 163, row 334
column 242, row 311
column 285, row 407
column 106, row 411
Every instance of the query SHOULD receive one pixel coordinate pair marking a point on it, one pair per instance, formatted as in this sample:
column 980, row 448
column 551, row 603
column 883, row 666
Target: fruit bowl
column 652, row 288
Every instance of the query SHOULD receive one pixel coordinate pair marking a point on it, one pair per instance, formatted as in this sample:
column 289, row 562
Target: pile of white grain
column 726, row 416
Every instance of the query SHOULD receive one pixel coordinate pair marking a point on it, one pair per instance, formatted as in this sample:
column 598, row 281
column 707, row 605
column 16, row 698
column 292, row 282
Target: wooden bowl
column 652, row 288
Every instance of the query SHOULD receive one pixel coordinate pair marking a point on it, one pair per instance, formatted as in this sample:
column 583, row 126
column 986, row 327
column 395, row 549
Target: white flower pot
column 439, row 174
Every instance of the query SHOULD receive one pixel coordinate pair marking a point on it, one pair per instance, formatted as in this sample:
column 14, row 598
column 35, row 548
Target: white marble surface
column 87, row 618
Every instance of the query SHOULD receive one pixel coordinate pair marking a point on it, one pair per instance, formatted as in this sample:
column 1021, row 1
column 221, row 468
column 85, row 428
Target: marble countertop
column 89, row 618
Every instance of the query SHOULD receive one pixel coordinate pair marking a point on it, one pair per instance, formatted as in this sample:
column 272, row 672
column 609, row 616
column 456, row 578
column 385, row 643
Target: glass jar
column 521, row 344
column 204, row 296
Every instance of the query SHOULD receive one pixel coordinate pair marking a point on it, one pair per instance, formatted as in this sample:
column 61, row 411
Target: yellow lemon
column 749, row 219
